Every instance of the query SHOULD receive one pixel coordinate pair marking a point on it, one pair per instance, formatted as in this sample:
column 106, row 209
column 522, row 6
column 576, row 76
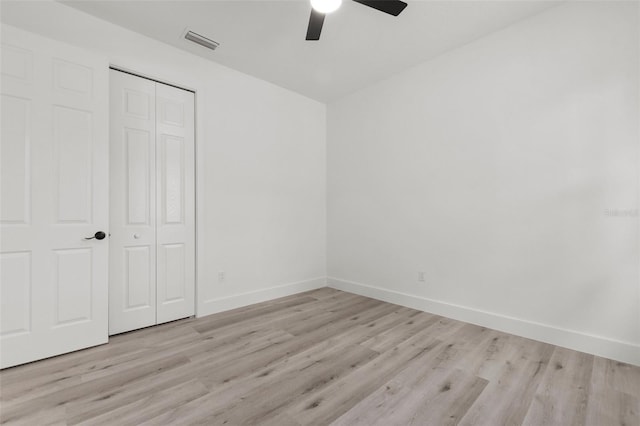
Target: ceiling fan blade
column 315, row 25
column 392, row 7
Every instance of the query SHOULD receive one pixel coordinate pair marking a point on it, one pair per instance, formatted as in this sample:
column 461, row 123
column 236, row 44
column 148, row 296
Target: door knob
column 98, row 236
column 136, row 236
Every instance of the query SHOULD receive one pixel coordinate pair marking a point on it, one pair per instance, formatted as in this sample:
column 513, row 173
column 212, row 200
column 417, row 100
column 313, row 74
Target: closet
column 152, row 203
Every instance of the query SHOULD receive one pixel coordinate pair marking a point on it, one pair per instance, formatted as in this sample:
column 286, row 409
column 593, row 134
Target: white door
column 176, row 203
column 152, row 203
column 132, row 292
column 54, row 194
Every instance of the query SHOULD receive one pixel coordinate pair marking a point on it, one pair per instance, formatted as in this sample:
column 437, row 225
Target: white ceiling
column 358, row 46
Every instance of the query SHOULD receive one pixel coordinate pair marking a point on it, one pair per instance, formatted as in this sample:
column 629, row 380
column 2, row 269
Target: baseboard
column 597, row 345
column 222, row 304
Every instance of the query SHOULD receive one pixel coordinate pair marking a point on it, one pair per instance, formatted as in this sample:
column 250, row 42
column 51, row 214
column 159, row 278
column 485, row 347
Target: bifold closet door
column 54, row 195
column 152, row 203
column 175, row 195
column 132, row 257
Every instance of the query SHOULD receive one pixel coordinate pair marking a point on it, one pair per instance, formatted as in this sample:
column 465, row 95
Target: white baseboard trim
column 597, row 345
column 221, row 304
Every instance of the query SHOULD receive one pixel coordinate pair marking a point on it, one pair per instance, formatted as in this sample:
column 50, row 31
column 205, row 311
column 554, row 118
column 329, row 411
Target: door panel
column 54, row 193
column 173, row 175
column 138, row 174
column 16, row 161
column 72, row 152
column 176, row 207
column 132, row 296
column 73, row 295
column 17, row 62
column 138, row 278
column 72, row 77
column 173, row 264
column 16, row 306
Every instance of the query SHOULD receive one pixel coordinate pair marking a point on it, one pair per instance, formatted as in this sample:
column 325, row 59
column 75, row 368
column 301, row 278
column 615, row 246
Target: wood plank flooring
column 318, row 358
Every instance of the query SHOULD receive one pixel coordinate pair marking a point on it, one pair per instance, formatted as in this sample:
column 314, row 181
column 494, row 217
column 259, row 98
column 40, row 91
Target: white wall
column 260, row 158
column 491, row 168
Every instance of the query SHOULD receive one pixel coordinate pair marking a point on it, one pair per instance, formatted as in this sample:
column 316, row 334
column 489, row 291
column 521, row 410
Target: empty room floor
column 322, row 357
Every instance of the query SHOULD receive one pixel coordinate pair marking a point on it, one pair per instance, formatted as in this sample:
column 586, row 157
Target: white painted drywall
column 260, row 158
column 491, row 169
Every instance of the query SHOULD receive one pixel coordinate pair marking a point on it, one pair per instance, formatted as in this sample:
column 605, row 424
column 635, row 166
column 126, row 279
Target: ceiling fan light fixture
column 326, row 6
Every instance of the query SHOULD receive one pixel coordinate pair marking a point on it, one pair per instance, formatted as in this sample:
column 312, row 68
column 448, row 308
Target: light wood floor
column 317, row 358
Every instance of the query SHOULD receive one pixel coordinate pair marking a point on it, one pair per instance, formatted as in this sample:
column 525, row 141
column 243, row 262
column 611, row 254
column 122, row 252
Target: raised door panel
column 72, row 77
column 15, row 158
column 139, row 104
column 172, row 188
column 16, row 298
column 73, row 279
column 17, row 63
column 171, row 261
column 171, row 111
column 72, row 138
column 73, row 82
column 138, row 172
column 138, row 285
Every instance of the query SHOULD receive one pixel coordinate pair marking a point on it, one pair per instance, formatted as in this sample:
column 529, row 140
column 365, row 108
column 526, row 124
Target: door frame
column 198, row 178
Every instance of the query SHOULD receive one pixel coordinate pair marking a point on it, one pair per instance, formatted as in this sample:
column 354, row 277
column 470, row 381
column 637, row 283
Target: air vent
column 201, row 40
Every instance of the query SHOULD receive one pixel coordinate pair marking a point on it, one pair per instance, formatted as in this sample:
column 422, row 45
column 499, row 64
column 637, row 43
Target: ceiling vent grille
column 201, row 40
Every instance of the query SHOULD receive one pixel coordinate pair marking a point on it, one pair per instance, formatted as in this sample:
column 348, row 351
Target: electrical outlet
column 221, row 276
column 421, row 277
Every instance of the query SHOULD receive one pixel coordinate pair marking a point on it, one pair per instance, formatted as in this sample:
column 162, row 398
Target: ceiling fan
column 320, row 8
